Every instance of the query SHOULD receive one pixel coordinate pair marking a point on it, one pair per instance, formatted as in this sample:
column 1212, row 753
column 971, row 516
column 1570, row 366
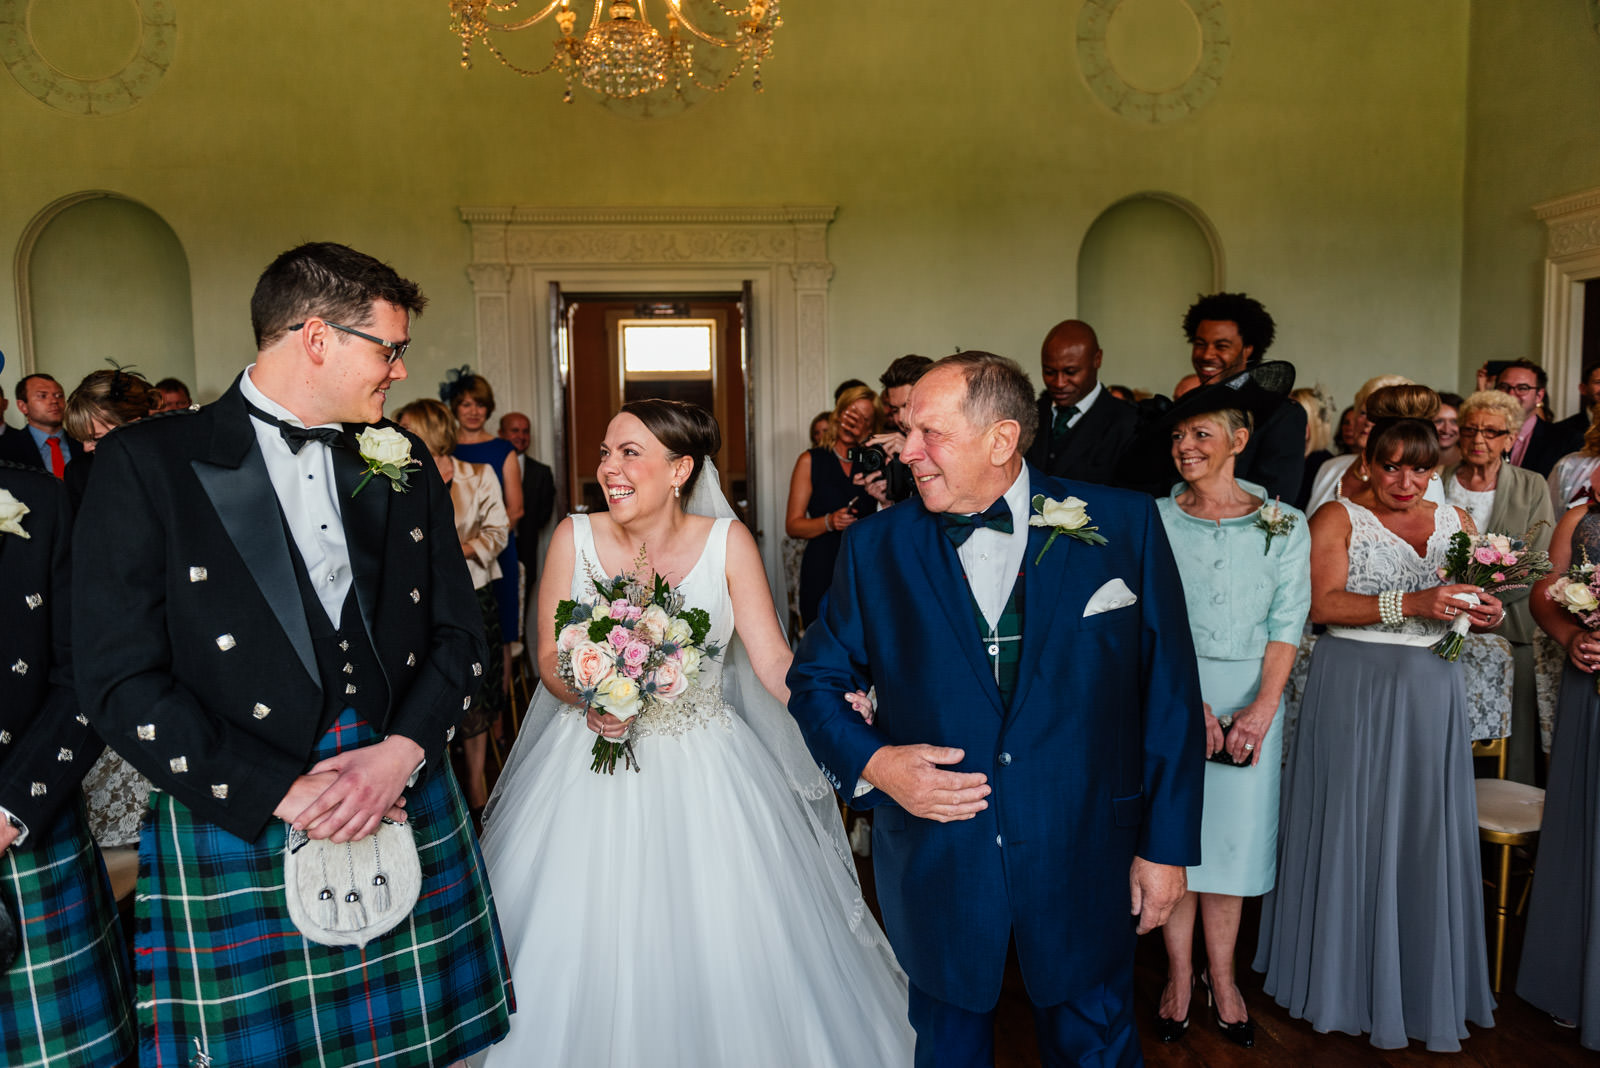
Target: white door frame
column 518, row 251
column 1572, row 257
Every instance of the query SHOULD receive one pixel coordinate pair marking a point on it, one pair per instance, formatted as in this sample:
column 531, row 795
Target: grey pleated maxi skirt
column 1560, row 971
column 1376, row 924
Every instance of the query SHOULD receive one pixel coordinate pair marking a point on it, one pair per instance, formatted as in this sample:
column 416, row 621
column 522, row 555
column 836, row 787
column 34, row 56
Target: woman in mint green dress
column 1245, row 566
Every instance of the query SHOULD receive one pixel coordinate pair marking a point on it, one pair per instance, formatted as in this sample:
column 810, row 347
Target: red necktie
column 58, row 462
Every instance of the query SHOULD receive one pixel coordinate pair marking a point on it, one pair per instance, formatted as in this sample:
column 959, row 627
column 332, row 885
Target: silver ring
column 1249, row 746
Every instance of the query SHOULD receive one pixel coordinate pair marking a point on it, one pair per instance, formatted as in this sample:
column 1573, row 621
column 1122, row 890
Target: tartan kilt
column 66, row 1000
column 222, row 970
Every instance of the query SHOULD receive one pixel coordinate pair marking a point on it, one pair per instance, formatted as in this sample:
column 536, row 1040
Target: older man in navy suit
column 1036, row 761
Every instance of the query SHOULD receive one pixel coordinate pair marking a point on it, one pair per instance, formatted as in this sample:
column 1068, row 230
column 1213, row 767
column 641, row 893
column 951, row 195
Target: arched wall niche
column 1140, row 264
column 101, row 276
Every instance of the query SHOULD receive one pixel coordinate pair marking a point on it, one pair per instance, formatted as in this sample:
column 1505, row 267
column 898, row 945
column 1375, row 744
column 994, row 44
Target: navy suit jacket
column 1100, row 756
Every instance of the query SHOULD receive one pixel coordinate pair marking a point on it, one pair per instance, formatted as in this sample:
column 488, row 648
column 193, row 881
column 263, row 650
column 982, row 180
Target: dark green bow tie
column 958, row 528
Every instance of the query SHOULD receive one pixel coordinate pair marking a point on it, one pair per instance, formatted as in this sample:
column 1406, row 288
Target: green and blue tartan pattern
column 1003, row 644
column 66, row 1001
column 222, row 971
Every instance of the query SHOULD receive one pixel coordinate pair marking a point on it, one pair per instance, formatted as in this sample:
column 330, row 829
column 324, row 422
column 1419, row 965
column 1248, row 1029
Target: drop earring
column 676, row 492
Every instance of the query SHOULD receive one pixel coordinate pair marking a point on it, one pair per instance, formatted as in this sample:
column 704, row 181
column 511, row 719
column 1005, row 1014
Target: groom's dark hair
column 997, row 388
column 326, row 280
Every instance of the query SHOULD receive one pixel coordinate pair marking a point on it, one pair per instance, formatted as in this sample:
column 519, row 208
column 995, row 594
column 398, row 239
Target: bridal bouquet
column 1497, row 562
column 632, row 647
column 1578, row 591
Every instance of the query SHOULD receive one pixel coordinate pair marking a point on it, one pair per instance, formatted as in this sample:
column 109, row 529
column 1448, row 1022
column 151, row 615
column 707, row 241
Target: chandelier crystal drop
column 700, row 44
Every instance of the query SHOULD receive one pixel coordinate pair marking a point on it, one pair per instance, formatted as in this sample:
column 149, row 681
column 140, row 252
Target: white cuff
column 417, row 774
column 22, row 828
column 862, row 787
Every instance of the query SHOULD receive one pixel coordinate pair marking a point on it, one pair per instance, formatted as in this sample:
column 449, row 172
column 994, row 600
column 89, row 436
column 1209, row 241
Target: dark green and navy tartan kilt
column 222, row 970
column 66, row 1001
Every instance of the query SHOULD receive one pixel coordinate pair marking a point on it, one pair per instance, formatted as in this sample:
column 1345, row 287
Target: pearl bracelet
column 1389, row 605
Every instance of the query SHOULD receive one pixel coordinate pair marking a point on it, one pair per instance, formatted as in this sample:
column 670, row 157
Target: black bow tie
column 958, row 528
column 297, row 436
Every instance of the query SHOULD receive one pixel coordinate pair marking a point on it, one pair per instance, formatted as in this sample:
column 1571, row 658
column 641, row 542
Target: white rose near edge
column 618, row 695
column 1577, row 597
column 11, row 513
column 1069, row 514
column 652, row 624
column 384, row 445
column 679, row 632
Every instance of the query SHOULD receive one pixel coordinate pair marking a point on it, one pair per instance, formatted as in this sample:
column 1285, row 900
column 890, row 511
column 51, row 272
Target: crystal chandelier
column 622, row 54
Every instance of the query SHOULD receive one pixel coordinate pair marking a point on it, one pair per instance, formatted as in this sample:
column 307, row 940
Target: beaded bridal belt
column 695, row 709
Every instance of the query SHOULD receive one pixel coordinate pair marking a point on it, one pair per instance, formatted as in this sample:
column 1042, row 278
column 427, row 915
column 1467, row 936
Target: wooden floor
column 1522, row 1035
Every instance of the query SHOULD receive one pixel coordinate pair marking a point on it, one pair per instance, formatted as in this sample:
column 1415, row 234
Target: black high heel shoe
column 1172, row 1030
column 1241, row 1034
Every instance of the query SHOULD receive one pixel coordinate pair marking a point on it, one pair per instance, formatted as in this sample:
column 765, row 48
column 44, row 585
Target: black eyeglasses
column 397, row 349
column 1517, row 387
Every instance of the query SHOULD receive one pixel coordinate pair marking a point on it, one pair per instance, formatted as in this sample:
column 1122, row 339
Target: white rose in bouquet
column 1576, row 597
column 618, row 695
column 571, row 635
column 688, row 659
column 678, row 631
column 652, row 624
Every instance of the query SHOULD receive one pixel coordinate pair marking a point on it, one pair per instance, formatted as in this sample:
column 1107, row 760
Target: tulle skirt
column 681, row 914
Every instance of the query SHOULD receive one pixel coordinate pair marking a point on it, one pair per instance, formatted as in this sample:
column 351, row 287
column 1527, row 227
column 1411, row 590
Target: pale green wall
column 964, row 150
column 1533, row 135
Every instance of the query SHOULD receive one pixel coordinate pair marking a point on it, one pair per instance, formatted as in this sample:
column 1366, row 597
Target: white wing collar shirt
column 304, row 484
column 991, row 560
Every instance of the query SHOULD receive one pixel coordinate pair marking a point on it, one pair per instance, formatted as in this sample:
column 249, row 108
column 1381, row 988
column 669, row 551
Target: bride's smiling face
column 635, row 469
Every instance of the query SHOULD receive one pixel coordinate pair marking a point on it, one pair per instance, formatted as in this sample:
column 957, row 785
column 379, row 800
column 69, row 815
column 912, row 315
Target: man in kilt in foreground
column 275, row 624
column 65, row 999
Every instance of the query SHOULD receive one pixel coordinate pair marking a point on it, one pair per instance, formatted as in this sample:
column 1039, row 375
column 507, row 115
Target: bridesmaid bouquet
column 1497, row 562
column 630, row 648
column 1578, row 591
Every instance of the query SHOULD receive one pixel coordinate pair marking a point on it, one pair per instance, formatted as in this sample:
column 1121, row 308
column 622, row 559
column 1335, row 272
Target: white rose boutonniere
column 387, row 453
column 1275, row 521
column 1069, row 517
column 11, row 513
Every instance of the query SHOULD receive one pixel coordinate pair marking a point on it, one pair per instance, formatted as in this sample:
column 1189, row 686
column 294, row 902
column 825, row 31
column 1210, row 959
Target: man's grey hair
column 997, row 388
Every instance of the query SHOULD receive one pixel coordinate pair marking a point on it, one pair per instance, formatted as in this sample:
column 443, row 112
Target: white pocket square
column 1113, row 595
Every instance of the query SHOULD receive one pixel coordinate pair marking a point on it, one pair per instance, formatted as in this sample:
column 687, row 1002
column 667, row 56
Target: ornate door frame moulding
column 517, row 251
column 1572, row 257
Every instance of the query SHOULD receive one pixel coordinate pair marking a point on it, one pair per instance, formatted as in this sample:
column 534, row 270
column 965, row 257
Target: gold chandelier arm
column 522, row 24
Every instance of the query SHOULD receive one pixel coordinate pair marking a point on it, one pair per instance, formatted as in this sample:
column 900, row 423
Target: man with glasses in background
column 1538, row 445
column 275, row 625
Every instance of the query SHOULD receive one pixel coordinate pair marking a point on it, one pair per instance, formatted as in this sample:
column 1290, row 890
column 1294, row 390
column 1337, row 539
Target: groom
column 1036, row 760
column 275, row 631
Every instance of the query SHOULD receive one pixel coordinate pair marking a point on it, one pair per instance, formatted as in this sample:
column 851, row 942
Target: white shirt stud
column 225, row 642
column 197, row 574
column 178, row 764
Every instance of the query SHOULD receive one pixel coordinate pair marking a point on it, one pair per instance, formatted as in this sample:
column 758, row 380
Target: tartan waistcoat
column 1003, row 642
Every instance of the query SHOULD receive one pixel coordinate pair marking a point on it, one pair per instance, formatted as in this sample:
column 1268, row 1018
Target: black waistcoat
column 347, row 666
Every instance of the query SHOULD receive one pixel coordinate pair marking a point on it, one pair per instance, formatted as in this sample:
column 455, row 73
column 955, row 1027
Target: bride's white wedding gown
column 692, row 913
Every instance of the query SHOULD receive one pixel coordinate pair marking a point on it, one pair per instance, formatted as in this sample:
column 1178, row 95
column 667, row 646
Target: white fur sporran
column 347, row 895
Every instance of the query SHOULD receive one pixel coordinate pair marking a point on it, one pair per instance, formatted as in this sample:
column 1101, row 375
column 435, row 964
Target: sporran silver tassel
column 380, row 881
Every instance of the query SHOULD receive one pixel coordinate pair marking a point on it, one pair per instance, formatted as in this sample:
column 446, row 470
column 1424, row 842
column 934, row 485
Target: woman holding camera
column 822, row 499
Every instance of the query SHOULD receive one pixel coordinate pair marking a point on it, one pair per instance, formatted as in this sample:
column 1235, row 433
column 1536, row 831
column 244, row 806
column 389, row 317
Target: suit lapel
column 942, row 572
column 234, row 476
column 366, row 519
column 1044, row 591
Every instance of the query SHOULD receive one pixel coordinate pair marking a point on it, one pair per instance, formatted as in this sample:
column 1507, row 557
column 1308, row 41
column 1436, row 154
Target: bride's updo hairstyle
column 685, row 429
column 1402, row 418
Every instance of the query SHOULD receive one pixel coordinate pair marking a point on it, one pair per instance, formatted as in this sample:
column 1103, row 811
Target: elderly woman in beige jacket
column 1505, row 499
column 482, row 527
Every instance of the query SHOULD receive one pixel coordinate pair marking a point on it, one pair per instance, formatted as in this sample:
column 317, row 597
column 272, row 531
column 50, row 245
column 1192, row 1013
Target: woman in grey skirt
column 1376, row 924
column 1561, row 954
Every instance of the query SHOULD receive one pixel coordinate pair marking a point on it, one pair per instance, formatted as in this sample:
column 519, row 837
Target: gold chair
column 1509, row 815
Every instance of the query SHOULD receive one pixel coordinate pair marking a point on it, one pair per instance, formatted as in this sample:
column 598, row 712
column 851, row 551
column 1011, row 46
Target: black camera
column 871, row 459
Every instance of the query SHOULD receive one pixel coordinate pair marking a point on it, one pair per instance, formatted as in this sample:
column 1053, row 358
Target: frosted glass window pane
column 667, row 348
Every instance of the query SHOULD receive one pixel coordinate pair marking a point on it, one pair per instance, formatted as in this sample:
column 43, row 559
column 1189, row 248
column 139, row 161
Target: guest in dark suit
column 538, row 495
column 1539, row 444
column 274, row 623
column 1021, row 796
column 42, row 443
column 66, row 999
column 1083, row 429
column 1575, row 426
column 1228, row 332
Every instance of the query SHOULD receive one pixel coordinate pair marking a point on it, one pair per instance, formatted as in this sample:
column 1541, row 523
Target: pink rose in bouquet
column 591, row 665
column 670, row 681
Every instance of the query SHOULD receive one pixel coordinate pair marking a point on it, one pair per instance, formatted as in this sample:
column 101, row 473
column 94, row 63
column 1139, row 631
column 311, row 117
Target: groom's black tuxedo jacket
column 194, row 658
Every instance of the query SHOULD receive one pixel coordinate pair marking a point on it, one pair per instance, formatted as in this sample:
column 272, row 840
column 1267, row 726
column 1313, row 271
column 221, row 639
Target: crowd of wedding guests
column 1292, row 521
column 1286, row 517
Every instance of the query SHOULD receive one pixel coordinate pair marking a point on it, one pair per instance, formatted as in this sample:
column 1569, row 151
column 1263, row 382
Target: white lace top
column 1382, row 560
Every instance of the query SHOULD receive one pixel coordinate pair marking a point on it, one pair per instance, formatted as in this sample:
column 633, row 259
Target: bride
column 704, row 909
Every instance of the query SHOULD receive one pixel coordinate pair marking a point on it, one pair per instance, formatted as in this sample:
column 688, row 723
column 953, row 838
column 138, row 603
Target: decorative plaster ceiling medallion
column 151, row 36
column 1195, row 86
